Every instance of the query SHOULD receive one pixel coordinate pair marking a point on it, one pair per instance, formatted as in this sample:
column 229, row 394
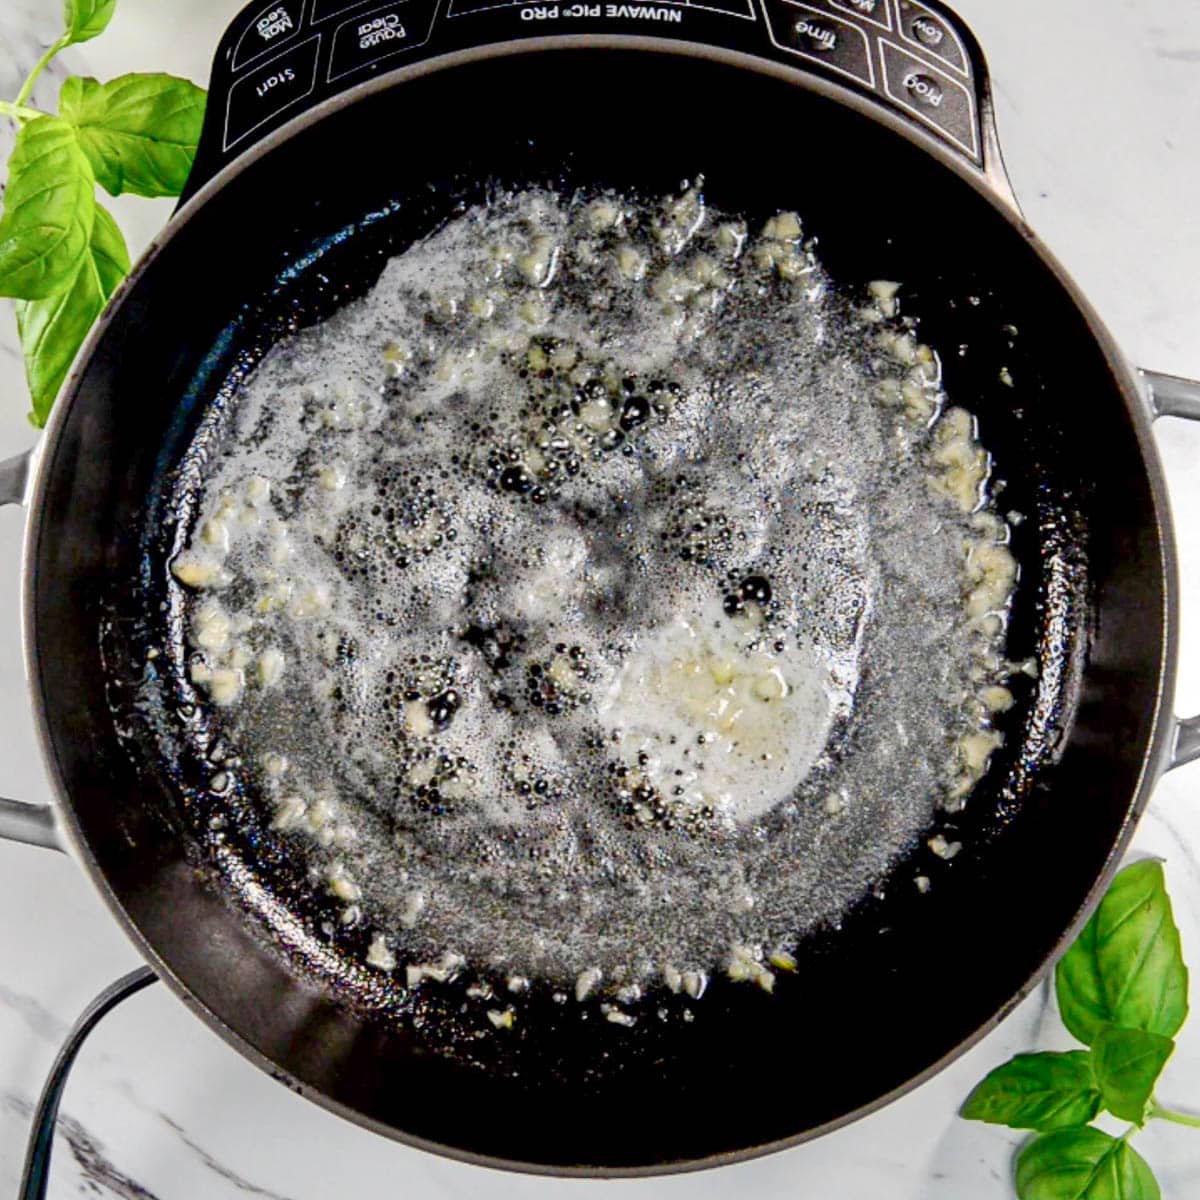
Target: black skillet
column 873, row 119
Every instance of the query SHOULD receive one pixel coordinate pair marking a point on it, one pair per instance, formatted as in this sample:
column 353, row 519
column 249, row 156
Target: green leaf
column 139, row 132
column 85, row 19
column 1037, row 1091
column 1083, row 1164
column 1128, row 1063
column 53, row 329
column 49, row 208
column 1126, row 967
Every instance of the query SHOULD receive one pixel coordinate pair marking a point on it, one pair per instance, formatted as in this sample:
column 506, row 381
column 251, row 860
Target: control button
column 928, row 32
column 267, row 91
column 464, row 8
column 271, row 27
column 816, row 34
column 324, row 9
column 378, row 34
column 875, row 11
column 921, row 27
column 836, row 44
column 731, row 8
column 939, row 100
column 924, row 89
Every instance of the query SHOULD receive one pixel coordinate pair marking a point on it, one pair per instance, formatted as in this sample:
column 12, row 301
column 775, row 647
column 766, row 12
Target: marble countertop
column 1099, row 110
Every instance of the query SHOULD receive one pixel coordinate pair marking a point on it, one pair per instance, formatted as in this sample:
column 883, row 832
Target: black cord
column 41, row 1137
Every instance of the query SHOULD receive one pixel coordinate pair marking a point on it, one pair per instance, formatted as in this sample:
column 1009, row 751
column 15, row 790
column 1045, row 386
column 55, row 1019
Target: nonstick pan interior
column 908, row 977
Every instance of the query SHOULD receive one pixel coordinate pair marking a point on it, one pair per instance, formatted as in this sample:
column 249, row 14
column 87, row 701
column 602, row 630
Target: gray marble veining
column 98, row 1174
column 218, row 1168
column 37, row 1017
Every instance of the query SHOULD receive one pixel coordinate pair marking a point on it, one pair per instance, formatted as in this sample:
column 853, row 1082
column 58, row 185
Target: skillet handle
column 1171, row 396
column 33, row 824
column 1187, row 742
column 15, row 473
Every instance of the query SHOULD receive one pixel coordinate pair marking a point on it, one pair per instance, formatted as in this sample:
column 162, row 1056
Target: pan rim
column 1124, row 376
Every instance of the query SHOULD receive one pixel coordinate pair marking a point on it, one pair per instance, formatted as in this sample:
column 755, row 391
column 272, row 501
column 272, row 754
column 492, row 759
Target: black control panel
column 280, row 57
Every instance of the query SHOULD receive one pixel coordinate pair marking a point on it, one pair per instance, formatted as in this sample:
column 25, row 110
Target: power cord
column 41, row 1137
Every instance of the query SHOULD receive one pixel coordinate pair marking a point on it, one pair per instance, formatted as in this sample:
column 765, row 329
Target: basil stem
column 1167, row 1114
column 38, row 67
column 20, row 112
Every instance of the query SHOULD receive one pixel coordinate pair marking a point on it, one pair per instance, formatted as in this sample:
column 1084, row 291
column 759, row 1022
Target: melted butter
column 461, row 582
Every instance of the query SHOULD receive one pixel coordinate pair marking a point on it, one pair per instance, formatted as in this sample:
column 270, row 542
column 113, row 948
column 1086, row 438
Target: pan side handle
column 1171, row 396
column 14, row 477
column 33, row 824
column 1187, row 742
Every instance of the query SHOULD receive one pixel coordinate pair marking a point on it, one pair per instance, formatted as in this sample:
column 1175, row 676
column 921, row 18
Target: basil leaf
column 1083, row 1164
column 84, row 19
column 1126, row 967
column 139, row 132
column 49, row 207
column 1128, row 1063
column 53, row 329
column 1037, row 1091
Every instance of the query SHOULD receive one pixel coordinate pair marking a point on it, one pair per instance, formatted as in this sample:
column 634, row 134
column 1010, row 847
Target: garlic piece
column 340, row 883
column 783, row 227
column 289, row 813
column 332, row 477
column 586, row 982
column 270, row 667
column 225, row 686
column 379, row 955
column 417, row 720
column 193, row 571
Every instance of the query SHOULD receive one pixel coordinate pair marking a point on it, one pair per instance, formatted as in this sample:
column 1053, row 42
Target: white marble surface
column 1099, row 104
